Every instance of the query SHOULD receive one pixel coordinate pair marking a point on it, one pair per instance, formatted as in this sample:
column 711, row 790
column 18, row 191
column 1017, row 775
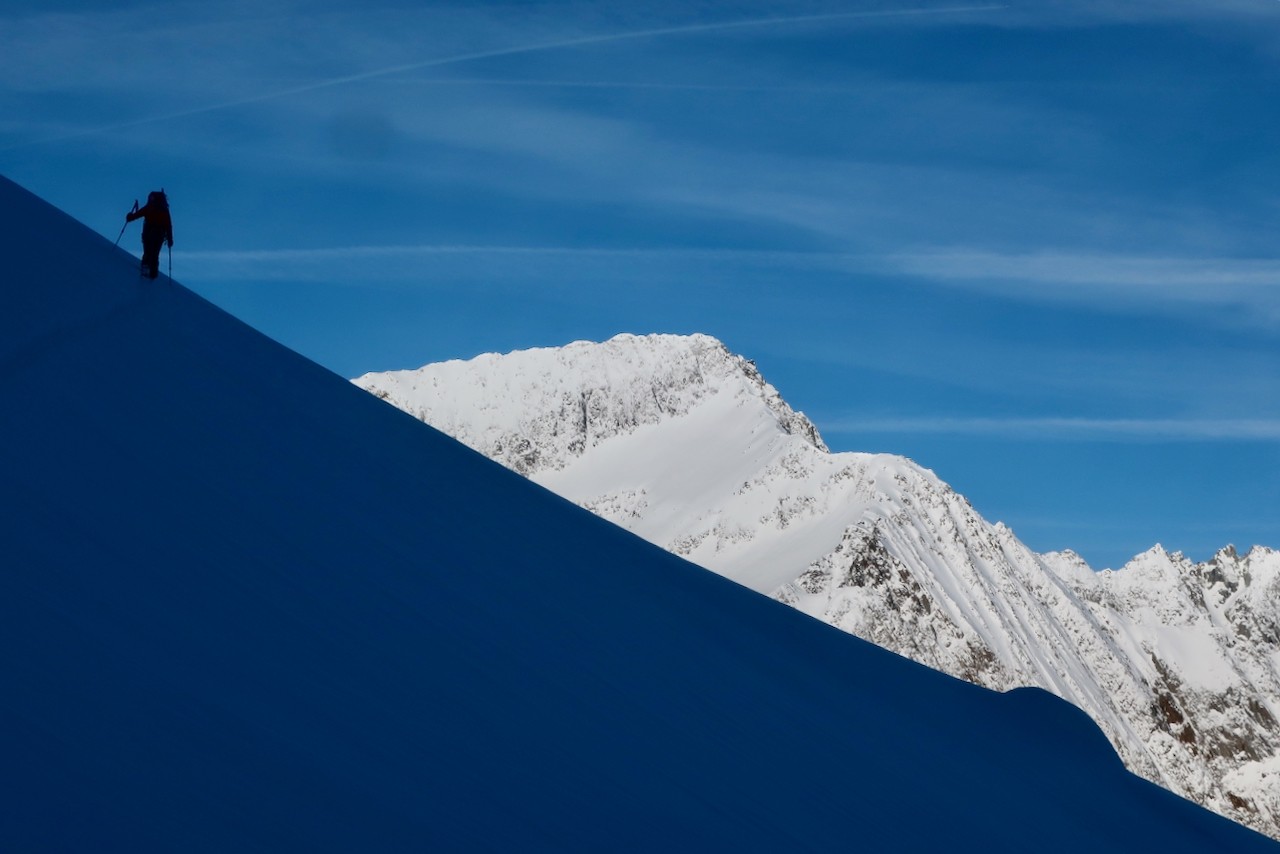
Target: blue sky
column 1031, row 245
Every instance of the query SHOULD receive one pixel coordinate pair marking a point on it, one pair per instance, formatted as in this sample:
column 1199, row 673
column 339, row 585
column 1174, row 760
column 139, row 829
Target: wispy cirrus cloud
column 84, row 33
column 1104, row 281
column 1150, row 10
column 1072, row 429
column 1155, row 284
column 1191, row 274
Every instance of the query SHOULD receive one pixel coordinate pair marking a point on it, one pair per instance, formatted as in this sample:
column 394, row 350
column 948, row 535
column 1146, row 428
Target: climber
column 157, row 229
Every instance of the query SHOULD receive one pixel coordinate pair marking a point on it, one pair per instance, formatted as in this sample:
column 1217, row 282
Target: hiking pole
column 170, row 261
column 126, row 223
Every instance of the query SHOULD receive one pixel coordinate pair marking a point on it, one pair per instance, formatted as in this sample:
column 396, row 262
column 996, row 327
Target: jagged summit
column 537, row 410
column 684, row 443
column 675, row 437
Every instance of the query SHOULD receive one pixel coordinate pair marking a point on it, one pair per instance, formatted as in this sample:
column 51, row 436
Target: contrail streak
column 560, row 44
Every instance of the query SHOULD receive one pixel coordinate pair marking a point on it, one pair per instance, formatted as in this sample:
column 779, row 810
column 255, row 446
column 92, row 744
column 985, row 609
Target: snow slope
column 246, row 606
column 684, row 443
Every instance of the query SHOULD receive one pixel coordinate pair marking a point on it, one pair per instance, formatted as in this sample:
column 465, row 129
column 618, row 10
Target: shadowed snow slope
column 235, row 615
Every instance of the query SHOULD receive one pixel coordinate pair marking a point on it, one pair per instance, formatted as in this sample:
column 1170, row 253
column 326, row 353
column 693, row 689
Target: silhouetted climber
column 157, row 229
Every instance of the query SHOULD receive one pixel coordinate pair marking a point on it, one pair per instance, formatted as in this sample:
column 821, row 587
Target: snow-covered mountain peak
column 536, row 410
column 684, row 443
column 1217, row 584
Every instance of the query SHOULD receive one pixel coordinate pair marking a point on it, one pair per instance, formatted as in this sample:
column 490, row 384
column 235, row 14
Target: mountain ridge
column 882, row 548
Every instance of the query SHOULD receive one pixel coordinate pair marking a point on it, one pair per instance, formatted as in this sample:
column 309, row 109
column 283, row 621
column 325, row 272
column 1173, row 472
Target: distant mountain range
column 684, row 443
